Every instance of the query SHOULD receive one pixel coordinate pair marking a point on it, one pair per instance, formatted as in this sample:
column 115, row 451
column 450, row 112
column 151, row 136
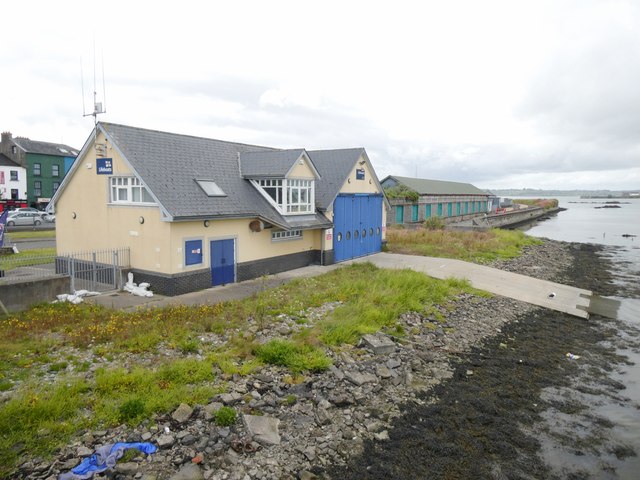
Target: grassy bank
column 26, row 258
column 479, row 247
column 85, row 345
column 31, row 234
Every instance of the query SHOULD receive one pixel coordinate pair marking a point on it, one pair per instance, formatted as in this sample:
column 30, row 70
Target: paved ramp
column 562, row 298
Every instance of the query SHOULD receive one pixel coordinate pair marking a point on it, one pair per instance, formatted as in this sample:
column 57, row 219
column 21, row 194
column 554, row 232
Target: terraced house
column 414, row 200
column 197, row 212
column 45, row 164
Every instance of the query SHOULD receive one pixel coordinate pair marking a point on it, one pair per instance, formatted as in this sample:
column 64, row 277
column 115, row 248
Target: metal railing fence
column 98, row 270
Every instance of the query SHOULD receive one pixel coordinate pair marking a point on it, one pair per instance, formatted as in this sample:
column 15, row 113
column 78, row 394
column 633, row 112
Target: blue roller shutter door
column 357, row 226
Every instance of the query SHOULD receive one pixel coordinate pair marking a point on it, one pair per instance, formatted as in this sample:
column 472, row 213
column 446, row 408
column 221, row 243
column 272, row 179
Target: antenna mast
column 98, row 107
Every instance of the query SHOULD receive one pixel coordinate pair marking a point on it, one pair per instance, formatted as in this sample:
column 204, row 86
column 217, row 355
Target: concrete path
column 562, row 298
column 574, row 301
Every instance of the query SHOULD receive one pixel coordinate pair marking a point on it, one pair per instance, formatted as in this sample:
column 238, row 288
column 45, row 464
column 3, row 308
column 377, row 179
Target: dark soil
column 484, row 422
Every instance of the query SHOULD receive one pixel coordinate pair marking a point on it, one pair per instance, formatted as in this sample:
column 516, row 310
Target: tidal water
column 591, row 221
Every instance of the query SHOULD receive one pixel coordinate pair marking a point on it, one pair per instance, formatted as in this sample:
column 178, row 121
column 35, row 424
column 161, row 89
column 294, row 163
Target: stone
column 182, row 413
column 393, row 363
column 382, row 436
column 322, row 416
column 263, row 428
column 307, row 475
column 127, row 468
column 84, row 451
column 383, row 372
column 358, row 378
column 189, row 471
column 230, row 398
column 379, row 344
column 165, row 441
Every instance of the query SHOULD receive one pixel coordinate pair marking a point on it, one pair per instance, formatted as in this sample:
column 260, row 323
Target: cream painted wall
column 301, row 171
column 98, row 225
column 249, row 245
column 368, row 185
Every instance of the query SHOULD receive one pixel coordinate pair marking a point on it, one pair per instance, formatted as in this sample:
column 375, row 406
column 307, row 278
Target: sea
column 597, row 221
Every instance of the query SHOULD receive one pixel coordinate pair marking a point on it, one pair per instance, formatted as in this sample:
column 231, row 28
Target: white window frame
column 123, row 189
column 284, row 235
column 291, row 196
column 13, row 176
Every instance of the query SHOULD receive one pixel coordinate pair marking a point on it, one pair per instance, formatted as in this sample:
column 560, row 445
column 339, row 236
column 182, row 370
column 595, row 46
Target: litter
column 134, row 289
column 75, row 297
column 105, row 458
column 571, row 356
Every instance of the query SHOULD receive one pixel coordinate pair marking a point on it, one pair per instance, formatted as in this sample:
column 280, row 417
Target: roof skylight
column 211, row 188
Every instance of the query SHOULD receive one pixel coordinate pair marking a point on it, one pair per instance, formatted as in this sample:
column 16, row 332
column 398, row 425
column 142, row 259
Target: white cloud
column 530, row 91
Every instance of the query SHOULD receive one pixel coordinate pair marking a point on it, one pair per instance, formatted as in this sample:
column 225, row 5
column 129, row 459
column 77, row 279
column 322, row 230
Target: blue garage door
column 357, row 226
column 222, row 262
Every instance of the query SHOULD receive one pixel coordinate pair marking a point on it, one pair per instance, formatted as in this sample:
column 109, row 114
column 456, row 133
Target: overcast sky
column 501, row 94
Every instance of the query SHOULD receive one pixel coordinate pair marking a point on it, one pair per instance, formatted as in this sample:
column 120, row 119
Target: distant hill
column 533, row 192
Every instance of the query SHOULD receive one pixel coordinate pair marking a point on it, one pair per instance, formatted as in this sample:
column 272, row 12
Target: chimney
column 7, row 137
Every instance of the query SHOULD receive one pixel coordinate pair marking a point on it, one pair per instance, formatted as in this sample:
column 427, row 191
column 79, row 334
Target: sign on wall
column 104, row 166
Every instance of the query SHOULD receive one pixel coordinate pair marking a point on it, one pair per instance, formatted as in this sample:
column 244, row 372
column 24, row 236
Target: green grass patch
column 31, row 234
column 27, row 258
column 225, row 416
column 378, row 297
column 479, row 247
column 297, row 357
column 40, row 418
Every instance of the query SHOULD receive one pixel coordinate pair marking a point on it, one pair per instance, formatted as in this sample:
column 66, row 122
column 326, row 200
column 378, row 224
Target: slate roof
column 45, row 148
column 7, row 162
column 268, row 164
column 436, row 187
column 170, row 163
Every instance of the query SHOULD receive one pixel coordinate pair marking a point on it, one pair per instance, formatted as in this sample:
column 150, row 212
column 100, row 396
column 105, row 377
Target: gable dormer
column 286, row 178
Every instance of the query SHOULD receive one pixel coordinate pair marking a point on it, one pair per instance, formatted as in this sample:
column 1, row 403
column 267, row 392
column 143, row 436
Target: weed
column 296, row 357
column 225, row 416
column 189, row 345
column 57, row 367
column 131, row 410
column 481, row 247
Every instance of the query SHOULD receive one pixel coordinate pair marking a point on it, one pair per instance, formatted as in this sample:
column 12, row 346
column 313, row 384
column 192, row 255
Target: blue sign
column 104, row 166
column 360, row 174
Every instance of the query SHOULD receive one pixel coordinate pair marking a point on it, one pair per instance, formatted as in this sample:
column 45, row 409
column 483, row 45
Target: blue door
column 222, row 262
column 357, row 225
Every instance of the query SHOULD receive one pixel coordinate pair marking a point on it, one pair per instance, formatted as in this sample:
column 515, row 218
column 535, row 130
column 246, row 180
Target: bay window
column 291, row 196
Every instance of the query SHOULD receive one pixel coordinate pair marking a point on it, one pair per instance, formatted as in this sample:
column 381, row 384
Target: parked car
column 50, row 217
column 24, row 218
column 42, row 213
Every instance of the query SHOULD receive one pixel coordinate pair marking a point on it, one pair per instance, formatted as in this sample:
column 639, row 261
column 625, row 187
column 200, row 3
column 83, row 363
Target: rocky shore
column 459, row 398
